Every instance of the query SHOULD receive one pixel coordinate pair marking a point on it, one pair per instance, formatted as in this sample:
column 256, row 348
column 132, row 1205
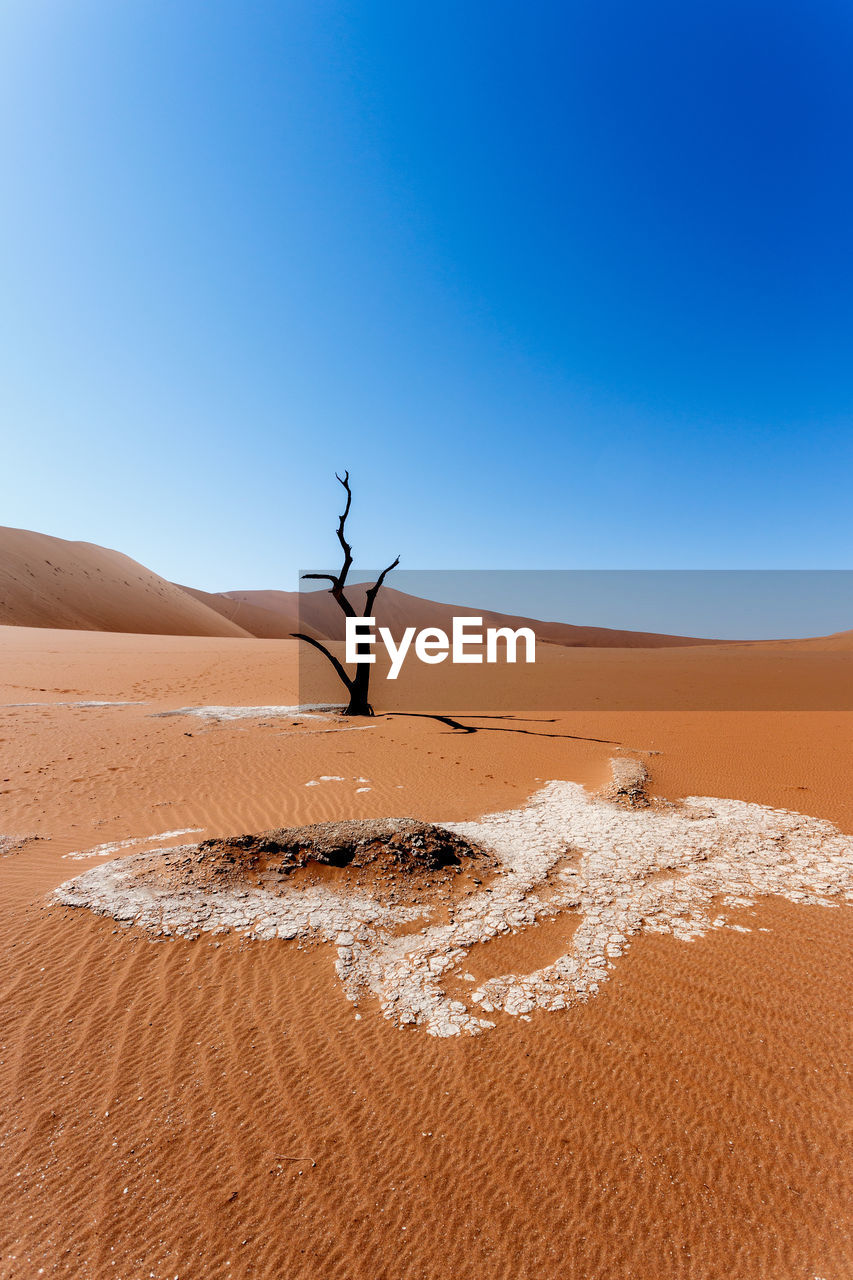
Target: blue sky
column 563, row 285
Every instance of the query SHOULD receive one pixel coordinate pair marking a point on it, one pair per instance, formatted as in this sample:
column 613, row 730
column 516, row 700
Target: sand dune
column 317, row 612
column 838, row 641
column 254, row 618
column 49, row 582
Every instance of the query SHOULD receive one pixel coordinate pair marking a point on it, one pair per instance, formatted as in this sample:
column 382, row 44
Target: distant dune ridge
column 51, row 582
column 252, row 618
column 318, row 613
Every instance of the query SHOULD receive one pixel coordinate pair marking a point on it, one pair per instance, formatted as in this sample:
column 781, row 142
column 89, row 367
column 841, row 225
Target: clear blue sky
column 563, row 284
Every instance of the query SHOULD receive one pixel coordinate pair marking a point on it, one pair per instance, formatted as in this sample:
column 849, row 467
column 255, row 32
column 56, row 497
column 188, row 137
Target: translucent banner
column 490, row 641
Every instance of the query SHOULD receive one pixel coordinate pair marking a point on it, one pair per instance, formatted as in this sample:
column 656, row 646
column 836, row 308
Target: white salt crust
column 612, row 869
column 306, row 711
column 136, row 842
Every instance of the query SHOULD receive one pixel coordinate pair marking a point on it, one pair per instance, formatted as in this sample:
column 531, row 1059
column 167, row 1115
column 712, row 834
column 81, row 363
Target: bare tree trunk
column 359, row 690
column 357, row 686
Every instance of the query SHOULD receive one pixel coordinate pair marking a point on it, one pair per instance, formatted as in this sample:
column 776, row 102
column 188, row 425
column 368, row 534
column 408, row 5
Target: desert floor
column 213, row 1108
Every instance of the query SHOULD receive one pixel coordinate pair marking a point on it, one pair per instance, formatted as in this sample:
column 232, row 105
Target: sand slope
column 318, row 613
column 261, row 622
column 838, row 641
column 49, row 582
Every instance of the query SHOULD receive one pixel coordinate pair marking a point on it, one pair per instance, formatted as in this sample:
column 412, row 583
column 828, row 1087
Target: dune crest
column 50, row 582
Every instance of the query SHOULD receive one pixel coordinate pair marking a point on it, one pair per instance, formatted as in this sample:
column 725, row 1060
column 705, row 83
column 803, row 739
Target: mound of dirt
column 410, row 844
column 395, row 848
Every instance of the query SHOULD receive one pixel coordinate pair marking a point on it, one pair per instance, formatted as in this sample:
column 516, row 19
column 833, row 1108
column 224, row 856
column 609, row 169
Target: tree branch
column 338, row 580
column 299, row 635
column 337, row 591
column 374, row 590
column 345, row 546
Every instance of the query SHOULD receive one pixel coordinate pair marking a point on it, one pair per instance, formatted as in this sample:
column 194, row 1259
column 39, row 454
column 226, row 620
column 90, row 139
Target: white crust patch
column 618, row 863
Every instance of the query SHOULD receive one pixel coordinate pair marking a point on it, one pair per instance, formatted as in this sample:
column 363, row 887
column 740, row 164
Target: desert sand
column 217, row 1106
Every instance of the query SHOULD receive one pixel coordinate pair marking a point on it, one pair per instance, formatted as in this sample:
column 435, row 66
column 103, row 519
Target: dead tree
column 357, row 685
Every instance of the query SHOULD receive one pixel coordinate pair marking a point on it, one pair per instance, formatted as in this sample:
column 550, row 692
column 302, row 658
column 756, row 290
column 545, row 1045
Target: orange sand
column 203, row 1110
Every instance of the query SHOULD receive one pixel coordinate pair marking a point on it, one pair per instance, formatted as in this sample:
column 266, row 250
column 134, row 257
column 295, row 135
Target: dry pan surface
column 616, row 864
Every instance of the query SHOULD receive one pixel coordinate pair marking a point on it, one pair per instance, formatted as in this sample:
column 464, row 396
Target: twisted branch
column 341, row 670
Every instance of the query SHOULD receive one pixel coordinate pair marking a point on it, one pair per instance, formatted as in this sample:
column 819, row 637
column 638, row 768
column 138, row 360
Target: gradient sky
column 564, row 285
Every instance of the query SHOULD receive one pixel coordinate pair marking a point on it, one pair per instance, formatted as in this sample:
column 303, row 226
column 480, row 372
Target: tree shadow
column 456, row 726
